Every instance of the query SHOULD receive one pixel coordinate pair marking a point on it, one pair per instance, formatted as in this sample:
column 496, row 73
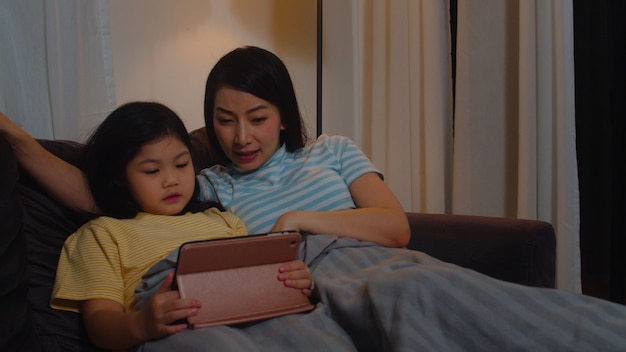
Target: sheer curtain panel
column 56, row 78
column 406, row 98
column 514, row 145
column 510, row 150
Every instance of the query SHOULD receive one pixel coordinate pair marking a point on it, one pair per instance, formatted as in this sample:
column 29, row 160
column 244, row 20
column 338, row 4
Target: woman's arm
column 110, row 327
column 379, row 216
column 62, row 180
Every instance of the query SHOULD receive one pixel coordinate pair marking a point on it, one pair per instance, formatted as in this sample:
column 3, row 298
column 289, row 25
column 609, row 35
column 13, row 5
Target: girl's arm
column 63, row 181
column 110, row 327
column 379, row 216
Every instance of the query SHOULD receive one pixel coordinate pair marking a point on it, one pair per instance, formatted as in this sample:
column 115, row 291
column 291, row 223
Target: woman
column 328, row 187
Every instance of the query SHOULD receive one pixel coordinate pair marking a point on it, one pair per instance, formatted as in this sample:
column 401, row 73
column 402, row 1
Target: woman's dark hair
column 261, row 73
column 116, row 142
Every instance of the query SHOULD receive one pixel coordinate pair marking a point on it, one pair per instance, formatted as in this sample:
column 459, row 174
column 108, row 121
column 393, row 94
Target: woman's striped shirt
column 314, row 178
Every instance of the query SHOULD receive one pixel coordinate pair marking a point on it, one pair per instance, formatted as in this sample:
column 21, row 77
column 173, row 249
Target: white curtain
column 406, row 98
column 514, row 152
column 511, row 151
column 56, row 78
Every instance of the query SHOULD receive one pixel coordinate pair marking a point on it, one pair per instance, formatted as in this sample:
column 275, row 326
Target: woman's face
column 161, row 177
column 247, row 127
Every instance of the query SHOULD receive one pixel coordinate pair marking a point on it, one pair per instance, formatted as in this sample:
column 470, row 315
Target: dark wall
column 599, row 56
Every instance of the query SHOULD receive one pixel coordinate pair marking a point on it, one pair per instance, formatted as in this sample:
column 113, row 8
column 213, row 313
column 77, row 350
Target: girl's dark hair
column 116, row 142
column 261, row 73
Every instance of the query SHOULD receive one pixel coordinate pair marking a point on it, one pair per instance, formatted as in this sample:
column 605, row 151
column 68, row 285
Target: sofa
column 33, row 228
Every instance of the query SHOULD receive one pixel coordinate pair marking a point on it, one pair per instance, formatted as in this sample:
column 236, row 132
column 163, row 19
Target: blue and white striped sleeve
column 354, row 163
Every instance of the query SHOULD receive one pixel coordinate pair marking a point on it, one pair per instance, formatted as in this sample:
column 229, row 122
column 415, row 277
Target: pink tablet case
column 236, row 278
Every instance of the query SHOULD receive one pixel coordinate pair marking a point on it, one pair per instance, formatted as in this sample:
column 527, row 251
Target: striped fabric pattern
column 373, row 298
column 107, row 257
column 315, row 178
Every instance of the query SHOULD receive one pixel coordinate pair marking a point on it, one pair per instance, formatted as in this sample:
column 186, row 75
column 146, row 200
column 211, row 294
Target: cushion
column 15, row 318
column 46, row 226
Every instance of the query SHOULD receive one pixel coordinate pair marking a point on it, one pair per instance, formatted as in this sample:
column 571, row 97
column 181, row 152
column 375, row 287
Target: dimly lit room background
column 506, row 108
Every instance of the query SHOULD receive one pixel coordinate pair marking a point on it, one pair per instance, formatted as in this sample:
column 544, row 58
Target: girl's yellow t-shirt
column 107, row 257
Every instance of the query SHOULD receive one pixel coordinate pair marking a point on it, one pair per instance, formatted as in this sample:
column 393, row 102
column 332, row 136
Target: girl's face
column 247, row 127
column 161, row 177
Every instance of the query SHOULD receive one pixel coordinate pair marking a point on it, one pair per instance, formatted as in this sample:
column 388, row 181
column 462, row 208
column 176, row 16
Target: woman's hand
column 11, row 131
column 296, row 274
column 287, row 222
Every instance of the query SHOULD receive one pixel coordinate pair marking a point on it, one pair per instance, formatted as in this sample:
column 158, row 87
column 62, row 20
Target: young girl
column 140, row 172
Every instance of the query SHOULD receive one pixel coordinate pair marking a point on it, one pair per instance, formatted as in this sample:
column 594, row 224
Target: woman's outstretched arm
column 62, row 180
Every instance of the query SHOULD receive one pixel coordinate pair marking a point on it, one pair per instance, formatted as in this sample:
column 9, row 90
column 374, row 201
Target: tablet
column 236, row 278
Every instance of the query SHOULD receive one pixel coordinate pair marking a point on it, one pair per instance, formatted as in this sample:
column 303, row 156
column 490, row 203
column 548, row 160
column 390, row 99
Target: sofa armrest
column 514, row 250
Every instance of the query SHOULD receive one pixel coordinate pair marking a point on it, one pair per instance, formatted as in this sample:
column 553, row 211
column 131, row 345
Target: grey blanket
column 372, row 298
